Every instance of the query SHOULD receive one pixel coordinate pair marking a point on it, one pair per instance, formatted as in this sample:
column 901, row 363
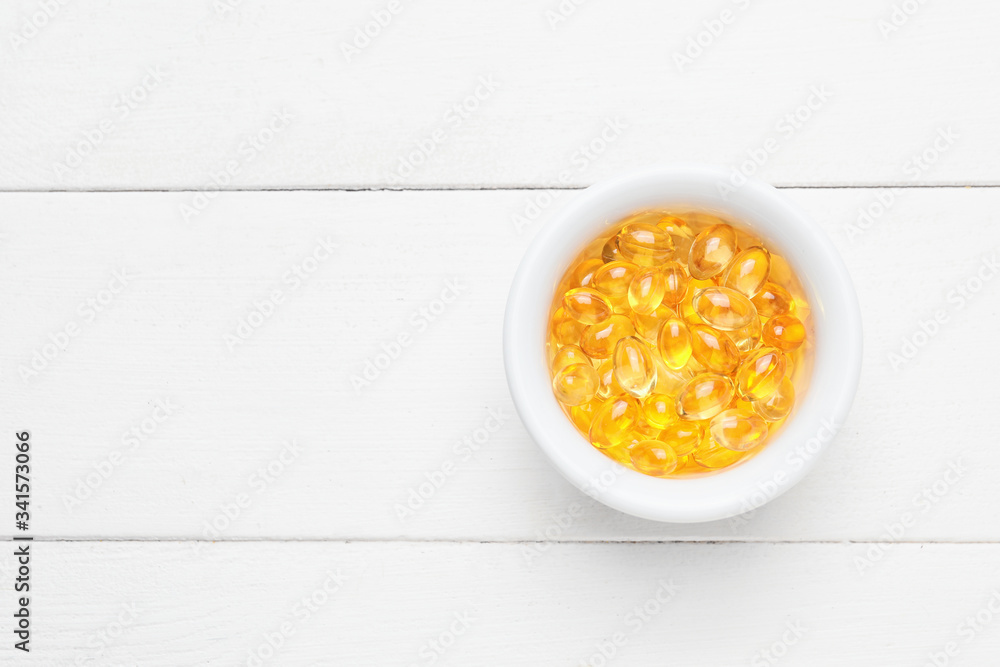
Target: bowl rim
column 808, row 432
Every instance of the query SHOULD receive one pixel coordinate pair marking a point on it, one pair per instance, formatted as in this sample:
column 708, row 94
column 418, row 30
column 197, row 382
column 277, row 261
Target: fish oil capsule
column 613, row 421
column 583, row 275
column 609, row 386
column 776, row 406
column 711, row 454
column 772, row 300
column 653, row 457
column 712, row 251
column 683, row 436
column 723, row 308
column 576, row 384
column 675, row 283
column 645, row 292
column 634, row 369
column 704, row 396
column 587, row 305
column 582, row 415
column 565, row 329
column 680, row 232
column 644, row 244
column 784, row 332
column 748, row 337
column 613, row 280
column 609, row 253
column 761, row 373
column 658, row 410
column 749, row 271
column 674, row 343
column 738, row 430
column 598, row 340
column 648, row 326
column 567, row 355
column 714, row 349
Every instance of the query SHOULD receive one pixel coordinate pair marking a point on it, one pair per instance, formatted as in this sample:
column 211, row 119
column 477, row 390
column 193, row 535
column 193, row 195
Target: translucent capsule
column 704, row 396
column 582, row 415
column 567, row 355
column 613, row 421
column 748, row 337
column 653, row 457
column 674, row 343
column 749, row 270
column 712, row 251
column 598, row 340
column 772, row 300
column 776, row 406
column 761, row 373
column 675, row 283
column 648, row 326
column 613, row 280
column 784, row 332
column 712, row 455
column 645, row 244
column 683, row 436
column 738, row 430
column 724, row 308
column 583, row 275
column 576, row 384
column 645, row 292
column 680, row 232
column 609, row 386
column 565, row 329
column 634, row 369
column 714, row 349
column 658, row 410
column 587, row 305
column 609, row 253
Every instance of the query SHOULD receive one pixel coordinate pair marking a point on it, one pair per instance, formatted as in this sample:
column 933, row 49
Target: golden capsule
column 565, row 329
column 704, row 396
column 609, row 253
column 609, row 386
column 711, row 454
column 658, row 410
column 674, row 343
column 583, row 275
column 772, row 300
column 680, row 232
column 648, row 326
column 598, row 340
column 714, row 349
column 653, row 457
column 724, row 308
column 575, row 384
column 776, row 407
column 645, row 292
column 587, row 305
column 634, row 369
column 613, row 421
column 582, row 415
column 683, row 436
column 761, row 373
column 748, row 337
column 749, row 270
column 712, row 251
column 568, row 355
column 675, row 281
column 613, row 280
column 784, row 332
column 644, row 244
column 738, row 429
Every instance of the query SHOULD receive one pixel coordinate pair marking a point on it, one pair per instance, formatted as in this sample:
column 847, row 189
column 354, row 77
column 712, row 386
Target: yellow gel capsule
column 583, row 275
column 772, row 300
column 644, row 244
column 648, row 326
column 645, row 292
column 711, row 454
column 674, row 343
column 680, row 232
column 658, row 410
column 576, row 384
column 712, row 251
column 723, row 308
column 704, row 396
column 609, row 253
column 784, row 332
column 653, row 457
column 613, row 280
column 565, row 329
column 748, row 337
column 586, row 305
column 598, row 340
column 613, row 421
column 776, row 407
column 683, row 436
column 568, row 355
column 714, row 349
column 609, row 386
column 738, row 430
column 761, row 373
column 634, row 369
column 675, row 281
column 668, row 380
column 582, row 415
column 749, row 270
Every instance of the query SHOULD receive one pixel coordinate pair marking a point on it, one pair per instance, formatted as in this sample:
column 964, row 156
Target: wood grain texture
column 170, row 97
column 918, row 449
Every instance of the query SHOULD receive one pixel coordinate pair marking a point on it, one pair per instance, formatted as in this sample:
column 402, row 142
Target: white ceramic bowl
column 787, row 457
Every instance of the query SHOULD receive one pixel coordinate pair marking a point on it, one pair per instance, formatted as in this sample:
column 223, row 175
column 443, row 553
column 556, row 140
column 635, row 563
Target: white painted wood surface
column 213, row 527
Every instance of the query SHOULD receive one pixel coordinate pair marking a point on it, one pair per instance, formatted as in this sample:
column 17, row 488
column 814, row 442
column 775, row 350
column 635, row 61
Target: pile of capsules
column 676, row 344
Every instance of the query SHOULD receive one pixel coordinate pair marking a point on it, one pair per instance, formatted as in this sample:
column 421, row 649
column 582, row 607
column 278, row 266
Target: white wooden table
column 219, row 218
